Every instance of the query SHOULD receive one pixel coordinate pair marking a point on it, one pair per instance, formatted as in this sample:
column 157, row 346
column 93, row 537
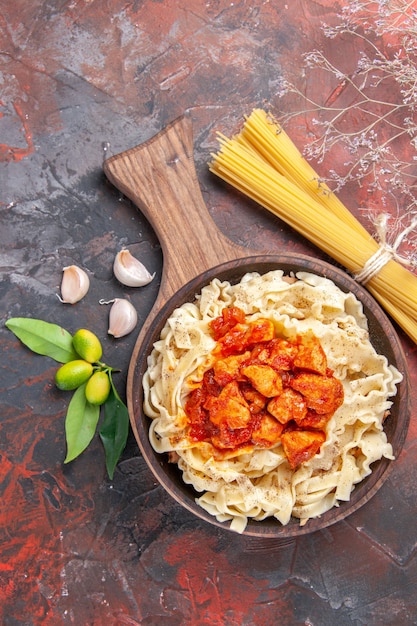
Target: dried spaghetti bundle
column 263, row 163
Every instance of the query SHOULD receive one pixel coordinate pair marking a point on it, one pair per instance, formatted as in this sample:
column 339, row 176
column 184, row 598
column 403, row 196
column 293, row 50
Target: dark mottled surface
column 80, row 80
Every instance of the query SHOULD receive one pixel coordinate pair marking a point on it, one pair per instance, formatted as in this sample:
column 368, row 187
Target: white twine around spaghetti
column 386, row 252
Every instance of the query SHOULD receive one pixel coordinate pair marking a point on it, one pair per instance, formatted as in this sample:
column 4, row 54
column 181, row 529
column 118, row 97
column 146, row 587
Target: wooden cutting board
column 159, row 177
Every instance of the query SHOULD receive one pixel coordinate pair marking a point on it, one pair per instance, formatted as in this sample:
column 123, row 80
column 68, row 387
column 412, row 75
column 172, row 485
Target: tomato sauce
column 263, row 390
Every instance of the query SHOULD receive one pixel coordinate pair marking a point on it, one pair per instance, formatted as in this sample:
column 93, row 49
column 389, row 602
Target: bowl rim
column 169, row 475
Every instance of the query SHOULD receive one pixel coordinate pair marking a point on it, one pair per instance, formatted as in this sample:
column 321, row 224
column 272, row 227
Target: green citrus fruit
column 87, row 345
column 98, row 388
column 73, row 374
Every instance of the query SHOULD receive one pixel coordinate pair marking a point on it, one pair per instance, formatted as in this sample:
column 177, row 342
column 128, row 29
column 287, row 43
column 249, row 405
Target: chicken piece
column 314, row 420
column 311, row 356
column 282, row 354
column 268, row 432
column 255, row 400
column 227, row 369
column 229, row 407
column 226, row 321
column 231, row 438
column 289, row 405
column 301, row 445
column 260, row 353
column 322, row 394
column 264, row 378
column 259, row 330
column 232, row 342
column 241, row 336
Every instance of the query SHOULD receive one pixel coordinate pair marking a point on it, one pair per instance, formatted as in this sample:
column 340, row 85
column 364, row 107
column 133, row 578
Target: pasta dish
column 269, row 396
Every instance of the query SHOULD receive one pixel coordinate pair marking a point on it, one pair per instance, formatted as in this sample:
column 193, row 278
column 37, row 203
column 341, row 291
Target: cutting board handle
column 159, row 177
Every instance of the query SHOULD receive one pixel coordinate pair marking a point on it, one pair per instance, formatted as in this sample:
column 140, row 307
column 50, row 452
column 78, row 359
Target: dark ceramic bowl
column 383, row 337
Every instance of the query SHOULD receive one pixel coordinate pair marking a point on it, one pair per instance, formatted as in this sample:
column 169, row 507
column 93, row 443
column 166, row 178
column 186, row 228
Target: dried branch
column 371, row 111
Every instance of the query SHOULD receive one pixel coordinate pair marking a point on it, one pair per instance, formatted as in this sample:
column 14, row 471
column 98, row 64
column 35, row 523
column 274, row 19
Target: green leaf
column 43, row 338
column 114, row 430
column 80, row 423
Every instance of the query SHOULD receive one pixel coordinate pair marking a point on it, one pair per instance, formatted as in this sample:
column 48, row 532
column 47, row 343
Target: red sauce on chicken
column 263, row 389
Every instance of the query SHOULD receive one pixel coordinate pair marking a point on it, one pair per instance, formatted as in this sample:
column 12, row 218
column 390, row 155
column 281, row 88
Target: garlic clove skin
column 122, row 318
column 74, row 285
column 129, row 271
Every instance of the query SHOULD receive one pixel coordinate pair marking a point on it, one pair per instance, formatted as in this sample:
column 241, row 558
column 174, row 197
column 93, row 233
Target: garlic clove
column 129, row 271
column 122, row 318
column 74, row 285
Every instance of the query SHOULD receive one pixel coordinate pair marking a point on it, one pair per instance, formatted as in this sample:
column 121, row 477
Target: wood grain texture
column 159, row 177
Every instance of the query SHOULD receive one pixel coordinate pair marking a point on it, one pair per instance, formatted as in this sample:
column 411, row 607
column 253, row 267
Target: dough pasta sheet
column 260, row 483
